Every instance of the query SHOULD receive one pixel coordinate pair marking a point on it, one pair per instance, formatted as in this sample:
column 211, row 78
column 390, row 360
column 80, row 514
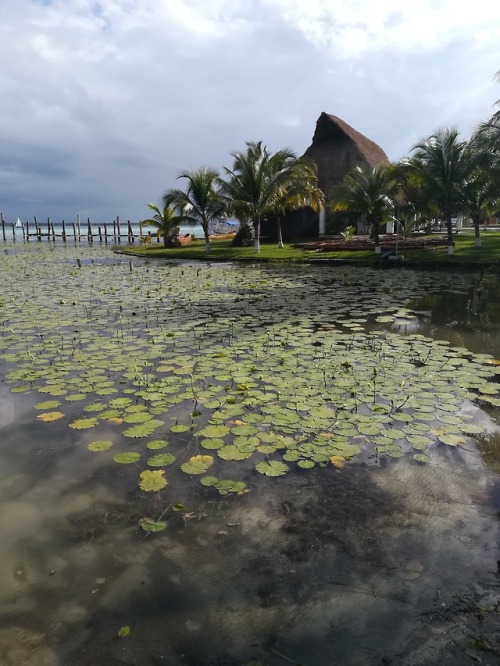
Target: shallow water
column 384, row 561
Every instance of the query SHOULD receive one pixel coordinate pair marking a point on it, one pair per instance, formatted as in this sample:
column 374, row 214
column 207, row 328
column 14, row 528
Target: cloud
column 105, row 102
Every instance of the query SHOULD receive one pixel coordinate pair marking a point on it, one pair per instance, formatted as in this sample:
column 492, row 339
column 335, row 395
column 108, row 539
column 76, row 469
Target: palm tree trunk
column 477, row 233
column 207, row 238
column 280, row 235
column 449, row 230
column 256, row 242
column 376, row 236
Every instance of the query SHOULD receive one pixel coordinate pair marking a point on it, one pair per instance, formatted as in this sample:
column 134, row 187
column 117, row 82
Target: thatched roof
column 337, row 147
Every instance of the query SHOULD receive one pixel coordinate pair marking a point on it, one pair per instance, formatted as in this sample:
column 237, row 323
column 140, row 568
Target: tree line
column 445, row 176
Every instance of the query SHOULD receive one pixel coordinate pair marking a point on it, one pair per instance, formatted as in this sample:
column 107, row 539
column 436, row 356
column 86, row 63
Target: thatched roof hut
column 336, row 148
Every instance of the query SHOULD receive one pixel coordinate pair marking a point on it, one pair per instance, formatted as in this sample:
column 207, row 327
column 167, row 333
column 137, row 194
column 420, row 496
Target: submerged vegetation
column 240, row 371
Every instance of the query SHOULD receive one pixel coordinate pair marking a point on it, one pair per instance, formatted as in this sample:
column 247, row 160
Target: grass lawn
column 466, row 253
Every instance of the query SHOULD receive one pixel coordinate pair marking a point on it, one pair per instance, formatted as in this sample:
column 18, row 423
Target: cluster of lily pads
column 218, row 371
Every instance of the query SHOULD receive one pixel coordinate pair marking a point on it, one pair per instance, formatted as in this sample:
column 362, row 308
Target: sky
column 105, row 102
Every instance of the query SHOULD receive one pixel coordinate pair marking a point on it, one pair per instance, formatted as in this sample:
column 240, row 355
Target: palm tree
column 482, row 186
column 487, row 134
column 262, row 185
column 368, row 192
column 439, row 167
column 300, row 191
column 201, row 203
column 165, row 220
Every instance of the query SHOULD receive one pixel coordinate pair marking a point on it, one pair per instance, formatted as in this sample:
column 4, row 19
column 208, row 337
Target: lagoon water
column 377, row 560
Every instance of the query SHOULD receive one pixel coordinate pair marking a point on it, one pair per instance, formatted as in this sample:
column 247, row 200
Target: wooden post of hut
column 130, row 232
column 114, row 230
column 3, row 227
column 79, row 228
column 74, row 231
column 13, row 232
column 89, row 231
column 105, row 233
column 27, row 231
column 118, row 229
column 63, row 232
column 100, row 234
column 51, row 230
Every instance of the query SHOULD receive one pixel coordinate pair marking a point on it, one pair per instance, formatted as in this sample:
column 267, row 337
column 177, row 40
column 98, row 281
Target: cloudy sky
column 104, row 102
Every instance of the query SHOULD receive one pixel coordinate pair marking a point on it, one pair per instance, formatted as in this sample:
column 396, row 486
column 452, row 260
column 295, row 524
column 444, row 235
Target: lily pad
column 127, row 458
column 273, row 468
column 197, row 464
column 150, row 525
column 100, row 445
column 421, row 457
column 152, row 480
column 157, row 444
column 51, row 416
column 161, row 459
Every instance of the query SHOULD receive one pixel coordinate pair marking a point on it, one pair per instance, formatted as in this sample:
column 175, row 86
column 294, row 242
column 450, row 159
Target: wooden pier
column 114, row 233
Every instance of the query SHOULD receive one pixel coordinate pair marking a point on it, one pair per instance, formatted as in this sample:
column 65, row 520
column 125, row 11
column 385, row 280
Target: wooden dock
column 102, row 233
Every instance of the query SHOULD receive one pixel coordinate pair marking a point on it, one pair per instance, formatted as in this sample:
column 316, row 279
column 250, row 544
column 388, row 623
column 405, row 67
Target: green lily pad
column 157, row 444
column 421, row 457
column 152, row 481
column 161, row 459
column 197, row 464
column 127, row 458
column 212, row 443
column 82, row 424
column 47, row 404
column 180, row 428
column 273, row 468
column 100, row 445
column 150, row 525
column 143, row 429
column 231, row 452
column 214, row 431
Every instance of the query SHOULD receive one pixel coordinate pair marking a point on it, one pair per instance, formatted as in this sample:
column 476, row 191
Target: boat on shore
column 179, row 241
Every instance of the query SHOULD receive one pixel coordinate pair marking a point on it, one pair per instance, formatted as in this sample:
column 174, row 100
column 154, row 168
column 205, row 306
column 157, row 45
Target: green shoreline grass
column 467, row 255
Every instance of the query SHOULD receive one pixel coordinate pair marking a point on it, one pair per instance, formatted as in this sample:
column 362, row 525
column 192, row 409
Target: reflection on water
column 380, row 562
column 331, row 566
column 465, row 311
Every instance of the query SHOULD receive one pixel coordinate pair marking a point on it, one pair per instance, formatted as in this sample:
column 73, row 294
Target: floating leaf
column 100, row 445
column 127, row 457
column 143, row 429
column 150, row 525
column 209, row 481
column 231, row 452
column 47, row 404
column 124, row 631
column 212, row 443
column 472, row 429
column 180, row 428
column 82, row 424
column 421, row 457
column 157, row 444
column 152, row 480
column 338, row 461
column 214, row 431
column 450, row 440
column 197, row 464
column 51, row 416
column 161, row 459
column 273, row 468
